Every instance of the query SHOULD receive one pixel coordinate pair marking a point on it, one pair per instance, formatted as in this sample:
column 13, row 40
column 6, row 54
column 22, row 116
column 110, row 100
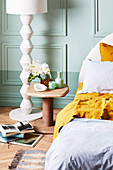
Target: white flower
column 36, row 69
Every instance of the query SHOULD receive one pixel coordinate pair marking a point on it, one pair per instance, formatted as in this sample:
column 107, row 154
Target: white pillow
column 98, row 77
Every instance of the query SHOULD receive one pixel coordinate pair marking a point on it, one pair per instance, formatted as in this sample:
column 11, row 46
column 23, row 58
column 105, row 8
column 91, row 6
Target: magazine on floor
column 19, row 127
column 25, row 139
column 30, row 140
column 10, row 138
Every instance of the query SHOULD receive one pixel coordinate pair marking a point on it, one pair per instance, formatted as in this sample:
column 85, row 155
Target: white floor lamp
column 25, row 8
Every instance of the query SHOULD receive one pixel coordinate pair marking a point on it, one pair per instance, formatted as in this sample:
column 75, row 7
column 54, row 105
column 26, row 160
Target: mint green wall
column 62, row 38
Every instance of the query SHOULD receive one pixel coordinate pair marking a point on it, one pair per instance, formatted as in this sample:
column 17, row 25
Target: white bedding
column 82, row 144
column 98, row 77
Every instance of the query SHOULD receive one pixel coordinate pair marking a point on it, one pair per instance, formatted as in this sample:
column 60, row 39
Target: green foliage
column 41, row 76
column 32, row 77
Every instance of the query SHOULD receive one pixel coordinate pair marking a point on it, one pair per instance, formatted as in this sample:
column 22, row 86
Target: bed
column 83, row 136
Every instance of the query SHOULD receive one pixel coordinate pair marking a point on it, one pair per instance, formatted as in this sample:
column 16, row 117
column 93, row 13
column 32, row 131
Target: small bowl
column 40, row 87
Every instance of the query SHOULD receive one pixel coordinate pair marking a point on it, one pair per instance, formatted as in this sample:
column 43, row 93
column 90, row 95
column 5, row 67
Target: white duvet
column 82, row 144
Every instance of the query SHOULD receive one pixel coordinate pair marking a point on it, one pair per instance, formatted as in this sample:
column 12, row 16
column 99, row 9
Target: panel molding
column 62, row 23
column 5, row 79
column 5, row 46
column 63, row 58
column 96, row 27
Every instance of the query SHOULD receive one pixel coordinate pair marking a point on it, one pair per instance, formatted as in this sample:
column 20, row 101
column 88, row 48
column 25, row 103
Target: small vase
column 45, row 79
column 59, row 81
column 45, row 82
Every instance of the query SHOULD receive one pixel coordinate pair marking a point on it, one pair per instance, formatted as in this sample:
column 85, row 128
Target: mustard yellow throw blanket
column 90, row 105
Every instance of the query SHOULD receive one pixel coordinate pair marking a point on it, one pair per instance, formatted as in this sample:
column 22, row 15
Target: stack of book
column 21, row 133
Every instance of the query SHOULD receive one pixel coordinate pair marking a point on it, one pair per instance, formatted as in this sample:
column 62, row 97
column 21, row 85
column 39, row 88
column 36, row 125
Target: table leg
column 46, row 124
column 47, row 104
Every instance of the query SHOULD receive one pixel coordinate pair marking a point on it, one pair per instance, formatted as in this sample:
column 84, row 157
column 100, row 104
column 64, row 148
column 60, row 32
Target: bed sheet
column 82, row 144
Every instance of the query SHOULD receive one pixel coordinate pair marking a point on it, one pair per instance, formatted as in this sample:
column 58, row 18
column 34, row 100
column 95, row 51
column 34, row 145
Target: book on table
column 23, row 139
column 19, row 127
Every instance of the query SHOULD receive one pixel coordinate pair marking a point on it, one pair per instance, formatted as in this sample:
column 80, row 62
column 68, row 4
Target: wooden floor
column 7, row 153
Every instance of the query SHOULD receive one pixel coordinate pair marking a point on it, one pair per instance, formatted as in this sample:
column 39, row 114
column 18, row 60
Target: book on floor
column 25, row 139
column 10, row 138
column 19, row 127
column 30, row 139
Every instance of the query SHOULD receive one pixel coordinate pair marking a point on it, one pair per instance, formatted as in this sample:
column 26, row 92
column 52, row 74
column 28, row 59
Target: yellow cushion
column 106, row 52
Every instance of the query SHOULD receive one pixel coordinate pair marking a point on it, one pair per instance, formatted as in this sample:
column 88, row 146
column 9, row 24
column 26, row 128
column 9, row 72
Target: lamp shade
column 23, row 7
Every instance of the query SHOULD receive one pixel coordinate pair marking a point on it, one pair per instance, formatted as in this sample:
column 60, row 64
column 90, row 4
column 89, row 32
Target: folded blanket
column 89, row 105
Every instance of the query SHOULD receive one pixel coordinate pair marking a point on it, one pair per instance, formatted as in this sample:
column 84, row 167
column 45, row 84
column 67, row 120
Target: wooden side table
column 46, row 124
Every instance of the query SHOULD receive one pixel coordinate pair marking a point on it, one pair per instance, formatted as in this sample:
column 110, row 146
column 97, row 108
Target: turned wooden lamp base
column 46, row 124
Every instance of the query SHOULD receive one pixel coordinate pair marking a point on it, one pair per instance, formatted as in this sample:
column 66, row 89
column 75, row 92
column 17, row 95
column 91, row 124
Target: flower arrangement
column 36, row 69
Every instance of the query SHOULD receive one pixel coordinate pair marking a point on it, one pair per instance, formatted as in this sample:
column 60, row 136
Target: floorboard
column 7, row 152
